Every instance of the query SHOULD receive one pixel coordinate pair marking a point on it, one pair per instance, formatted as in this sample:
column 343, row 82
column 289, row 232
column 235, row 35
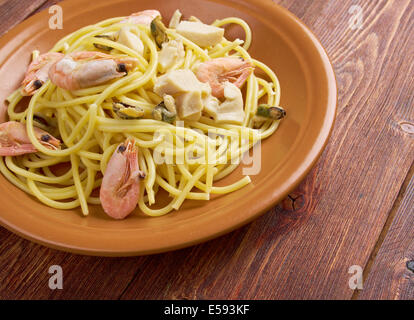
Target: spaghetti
column 90, row 130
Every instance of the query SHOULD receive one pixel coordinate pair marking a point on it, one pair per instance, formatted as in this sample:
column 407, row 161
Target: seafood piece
column 158, row 31
column 274, row 113
column 143, row 17
column 229, row 111
column 175, row 19
column 38, row 72
column 187, row 91
column 265, row 112
column 217, row 71
column 171, row 52
column 170, row 103
column 123, row 36
column 179, row 81
column 85, row 69
column 161, row 113
column 101, row 46
column 129, row 39
column 189, row 105
column 14, row 140
column 3, row 112
column 120, row 187
column 201, row 34
column 125, row 111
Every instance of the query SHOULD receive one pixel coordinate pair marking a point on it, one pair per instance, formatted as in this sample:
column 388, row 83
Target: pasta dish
column 120, row 110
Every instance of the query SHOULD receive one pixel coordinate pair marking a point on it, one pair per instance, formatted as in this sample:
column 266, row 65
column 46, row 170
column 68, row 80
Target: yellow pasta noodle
column 199, row 152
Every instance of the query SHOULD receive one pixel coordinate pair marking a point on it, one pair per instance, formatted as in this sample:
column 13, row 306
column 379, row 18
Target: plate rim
column 302, row 170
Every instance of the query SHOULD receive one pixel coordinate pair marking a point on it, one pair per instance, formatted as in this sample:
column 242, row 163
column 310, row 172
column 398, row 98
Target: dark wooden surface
column 354, row 208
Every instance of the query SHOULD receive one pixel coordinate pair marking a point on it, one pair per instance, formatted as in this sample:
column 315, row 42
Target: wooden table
column 356, row 207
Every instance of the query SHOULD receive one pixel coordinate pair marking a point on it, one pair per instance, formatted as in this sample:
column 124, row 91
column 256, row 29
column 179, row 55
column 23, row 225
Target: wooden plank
column 24, row 272
column 13, row 12
column 391, row 275
column 345, row 201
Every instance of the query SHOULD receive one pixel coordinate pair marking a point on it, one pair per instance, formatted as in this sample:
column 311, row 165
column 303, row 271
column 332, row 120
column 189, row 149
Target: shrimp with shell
column 120, row 189
column 217, row 71
column 14, row 140
column 38, row 72
column 84, row 69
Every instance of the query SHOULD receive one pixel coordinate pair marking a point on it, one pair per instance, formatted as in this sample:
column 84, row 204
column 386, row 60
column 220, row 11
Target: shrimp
column 85, row 69
column 14, row 140
column 3, row 112
column 217, row 71
column 38, row 72
column 143, row 17
column 120, row 187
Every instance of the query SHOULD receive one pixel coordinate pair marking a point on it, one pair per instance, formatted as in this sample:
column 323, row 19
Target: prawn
column 85, row 69
column 38, row 72
column 142, row 17
column 217, row 71
column 120, row 187
column 14, row 140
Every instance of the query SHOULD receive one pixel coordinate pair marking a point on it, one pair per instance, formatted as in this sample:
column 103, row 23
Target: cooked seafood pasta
column 132, row 107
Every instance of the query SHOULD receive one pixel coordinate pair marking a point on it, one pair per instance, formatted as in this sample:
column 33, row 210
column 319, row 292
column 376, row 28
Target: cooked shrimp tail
column 37, row 72
column 14, row 140
column 217, row 71
column 120, row 187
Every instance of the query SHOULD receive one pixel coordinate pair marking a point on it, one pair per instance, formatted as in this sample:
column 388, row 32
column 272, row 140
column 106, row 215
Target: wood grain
column 24, row 272
column 13, row 12
column 391, row 275
column 302, row 248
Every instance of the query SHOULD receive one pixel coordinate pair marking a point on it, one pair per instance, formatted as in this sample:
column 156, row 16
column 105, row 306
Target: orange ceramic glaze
column 308, row 94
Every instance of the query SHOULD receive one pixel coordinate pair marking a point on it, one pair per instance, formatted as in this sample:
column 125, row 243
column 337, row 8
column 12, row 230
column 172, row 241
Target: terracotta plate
column 308, row 94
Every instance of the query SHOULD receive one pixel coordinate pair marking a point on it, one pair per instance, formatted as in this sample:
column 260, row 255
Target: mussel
column 158, row 31
column 126, row 111
column 270, row 112
column 101, row 46
column 161, row 113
